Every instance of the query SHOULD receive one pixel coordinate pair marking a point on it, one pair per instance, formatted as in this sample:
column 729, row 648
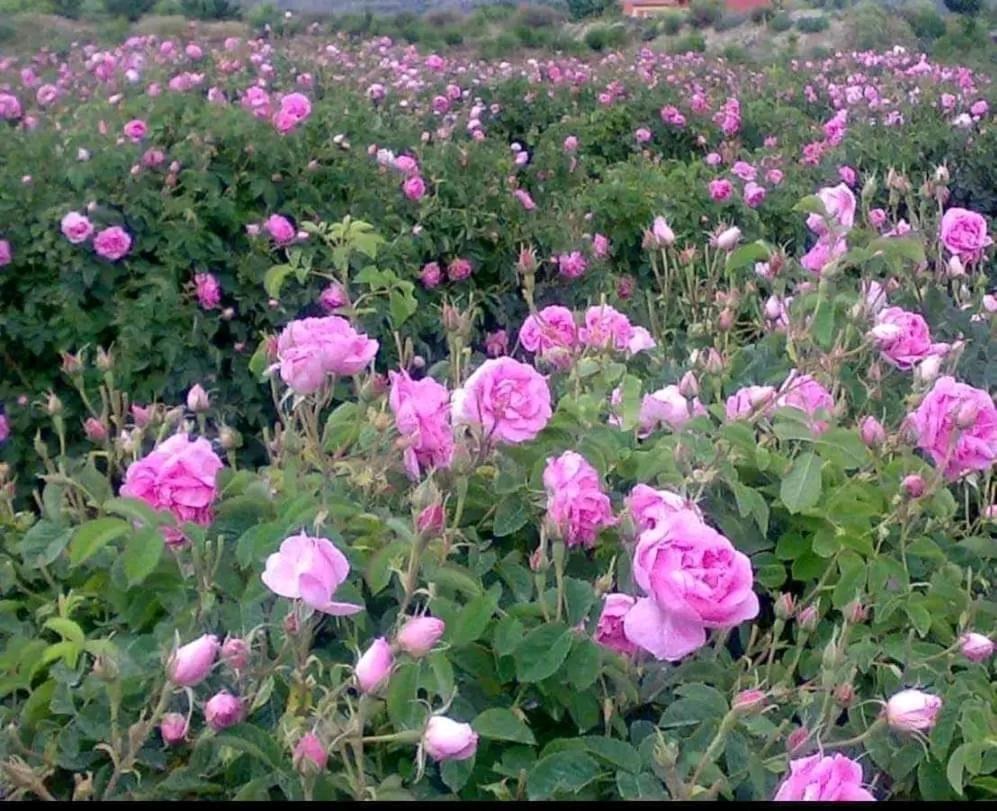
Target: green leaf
column 137, row 511
column 542, row 652
column 67, row 629
column 630, row 404
column 255, row 742
column 402, row 305
column 800, row 489
column 472, row 620
column 93, row 536
column 578, row 597
column 404, row 708
column 502, row 725
column 512, row 513
column 619, row 753
column 582, row 666
column 561, row 772
column 43, row 543
column 274, row 278
column 748, row 255
column 142, row 554
column 456, row 773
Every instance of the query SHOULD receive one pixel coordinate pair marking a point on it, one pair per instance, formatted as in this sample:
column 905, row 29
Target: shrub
column 761, row 14
column 11, row 7
column 870, row 27
column 780, row 21
column 539, row 16
column 730, row 20
column 7, row 31
column 812, row 25
column 603, row 37
column 969, row 8
column 704, row 13
column 67, row 8
column 581, row 9
column 129, row 9
column 168, row 8
column 693, row 41
column 926, row 23
column 672, row 22
column 210, row 9
column 167, row 26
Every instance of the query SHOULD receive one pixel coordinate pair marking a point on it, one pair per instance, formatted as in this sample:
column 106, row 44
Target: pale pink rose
column 525, row 200
column 224, row 710
column 46, row 94
column 572, row 265
column 190, row 664
column 135, row 130
column 419, row 634
column 695, row 579
column 76, row 227
column 374, row 667
column 294, row 109
column 912, row 710
column 551, row 334
column 649, row 507
column 309, row 752
column 839, row 204
column 600, row 246
column 642, row 135
column 605, row 328
column 667, row 407
column 209, row 291
column 173, row 728
column 576, row 503
column 446, row 739
column 848, row 175
column 823, row 778
column 422, row 416
column 750, row 401
column 754, row 194
column 804, row 393
column 10, row 107
column 310, row 349
column 774, row 176
column 877, row 218
column 609, row 631
column 459, row 269
column 823, row 253
column 956, row 425
column 235, row 652
column 903, row 338
column 509, row 401
column 660, row 234
column 112, row 243
column 744, row 170
column 6, row 254
column 640, row 340
column 964, row 233
column 976, row 647
column 497, row 343
column 280, row 229
column 309, row 569
column 178, row 476
column 430, row 275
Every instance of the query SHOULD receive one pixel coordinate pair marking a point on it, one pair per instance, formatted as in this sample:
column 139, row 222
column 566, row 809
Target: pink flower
column 720, row 189
column 333, row 297
column 295, row 108
column 524, row 198
column 197, row 399
column 552, row 334
column 135, row 130
column 823, row 253
column 374, row 667
column 964, row 233
column 112, row 243
column 431, row 520
column 235, row 652
column 605, row 328
column 310, row 349
column 576, row 503
column 774, row 176
column 750, row 401
column 839, row 205
column 609, row 631
column 497, row 343
column 976, row 647
column 458, row 270
column 4, row 427
column 649, row 507
column 446, row 739
column 309, row 569
column 877, row 218
column 642, row 135
column 224, row 710
column 173, row 728
column 419, row 634
column 76, row 227
column 280, row 229
column 571, row 264
column 661, row 234
column 209, row 292
column 600, row 246
column 848, row 175
column 190, row 664
column 177, row 476
column 669, row 407
column 695, row 580
column 10, row 107
column 753, row 194
column 804, row 393
column 414, row 187
column 430, row 275
column 6, row 255
column 422, row 415
column 406, row 164
column 570, row 143
column 309, row 751
column 871, row 432
column 744, row 170
column 956, row 425
column 903, row 338
column 823, row 778
column 46, row 94
column 912, row 710
column 509, row 401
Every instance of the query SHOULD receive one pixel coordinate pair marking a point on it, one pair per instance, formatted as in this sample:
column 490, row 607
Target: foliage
column 704, row 13
column 812, row 24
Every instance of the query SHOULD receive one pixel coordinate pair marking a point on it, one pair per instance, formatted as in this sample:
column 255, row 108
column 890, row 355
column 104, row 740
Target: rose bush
column 323, row 483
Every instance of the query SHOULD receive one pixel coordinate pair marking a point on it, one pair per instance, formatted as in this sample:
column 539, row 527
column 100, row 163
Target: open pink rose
column 309, row 569
column 750, row 401
column 804, row 393
column 609, row 631
column 209, row 292
column 669, row 407
column 695, row 579
column 178, row 476
column 607, row 328
column 649, row 507
column 956, row 425
column 839, row 203
column 903, row 338
column 76, row 227
column 310, row 349
column 509, row 401
column 550, row 333
column 964, row 233
column 112, row 243
column 422, row 415
column 280, row 229
column 576, row 503
column 823, row 778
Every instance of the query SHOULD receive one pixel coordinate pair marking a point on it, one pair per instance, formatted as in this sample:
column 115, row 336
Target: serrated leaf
column 501, row 724
column 93, row 536
column 472, row 620
column 542, row 652
column 800, row 488
column 141, row 554
column 561, row 772
column 511, row 514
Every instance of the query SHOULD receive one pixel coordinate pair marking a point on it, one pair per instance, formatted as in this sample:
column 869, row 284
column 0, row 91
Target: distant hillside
column 377, row 6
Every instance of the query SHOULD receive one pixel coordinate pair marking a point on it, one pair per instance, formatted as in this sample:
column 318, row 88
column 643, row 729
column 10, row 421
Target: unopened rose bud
column 190, row 664
column 537, row 560
column 913, row 485
column 235, row 653
column 785, row 606
column 431, row 520
column 83, row 788
column 748, row 702
column 446, row 739
column 844, row 694
column 197, row 399
column 726, row 320
column 224, row 710
column 689, row 385
column 310, row 756
column 527, row 262
column 871, row 431
column 856, row 613
column 808, row 618
column 105, row 668
column 229, row 438
column 912, row 710
column 228, row 314
column 927, row 370
column 72, row 364
column 728, row 238
column 419, row 634
column 976, row 647
column 173, row 728
column 374, row 667
column 941, row 174
column 95, row 430
column 104, row 360
column 625, row 287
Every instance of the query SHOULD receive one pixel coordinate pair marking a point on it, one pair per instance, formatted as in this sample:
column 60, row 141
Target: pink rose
column 419, row 634
column 76, row 227
column 280, row 229
column 414, row 188
column 112, row 243
column 903, row 338
column 964, row 233
column 177, row 476
column 4, row 427
column 374, row 667
column 509, row 401
column 695, row 580
column 173, row 728
column 458, row 270
column 209, row 292
column 839, row 204
column 525, row 200
column 6, row 255
column 600, row 246
column 956, row 425
column 224, row 710
column 294, row 109
column 310, row 349
column 912, row 710
column 309, row 753
column 497, row 343
column 576, row 503
column 804, row 393
column 190, row 664
column 720, row 190
column 976, row 647
column 446, row 739
column 422, row 416
column 333, row 297
column 753, row 194
column 309, row 569
column 668, row 407
column 551, row 333
column 135, row 130
column 650, row 507
column 430, row 275
column 823, row 778
column 750, row 401
column 609, row 631
column 572, row 265
column 10, row 107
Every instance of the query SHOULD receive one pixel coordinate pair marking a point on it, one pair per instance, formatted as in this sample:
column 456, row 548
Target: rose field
column 382, row 423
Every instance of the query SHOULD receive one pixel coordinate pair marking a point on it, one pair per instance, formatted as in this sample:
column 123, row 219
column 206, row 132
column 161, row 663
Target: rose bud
column 748, row 702
column 309, row 754
column 872, row 432
column 785, row 606
column 808, row 618
column 976, row 647
column 173, row 728
column 431, row 520
column 688, row 385
column 913, row 485
column 446, row 739
column 844, row 694
column 727, row 239
column 235, row 653
column 911, row 710
column 797, row 739
column 95, row 430
column 374, row 666
column 856, row 612
column 190, row 664
column 223, row 710
column 197, row 399
column 419, row 634
column 927, row 370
